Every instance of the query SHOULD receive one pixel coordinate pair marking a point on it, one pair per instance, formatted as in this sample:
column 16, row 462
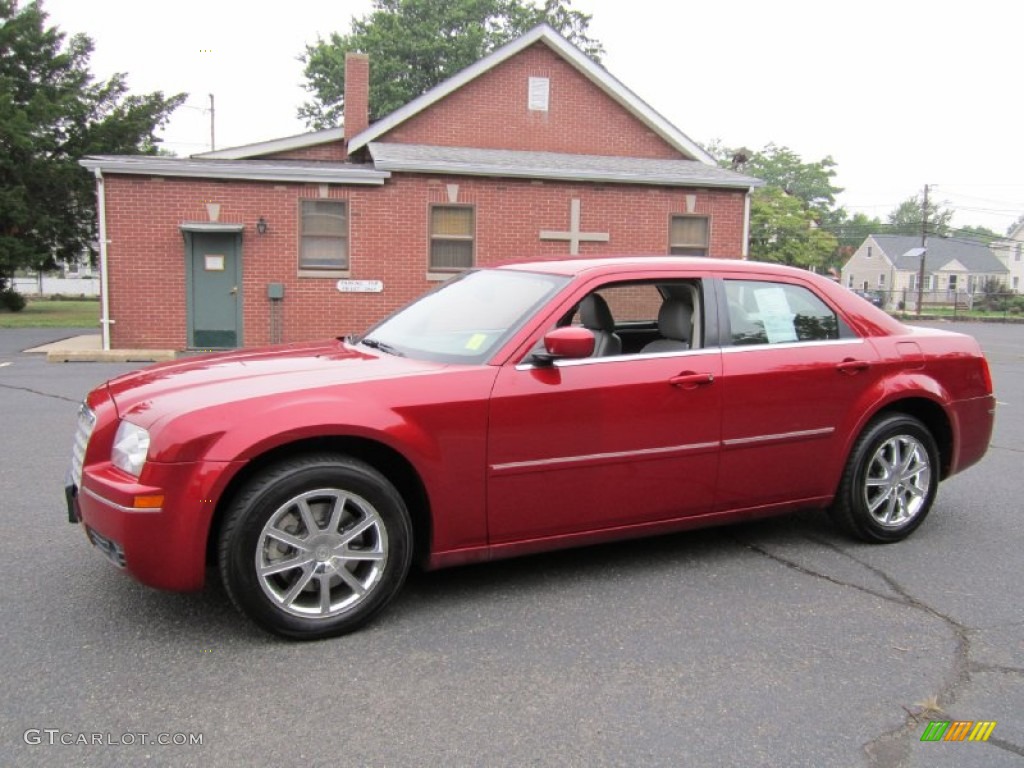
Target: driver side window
column 642, row 317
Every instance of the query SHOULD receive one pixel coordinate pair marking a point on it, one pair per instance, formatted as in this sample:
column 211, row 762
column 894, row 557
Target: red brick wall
column 388, row 242
column 491, row 112
column 357, row 93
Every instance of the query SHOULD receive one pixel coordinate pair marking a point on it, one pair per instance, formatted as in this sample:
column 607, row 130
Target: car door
column 602, row 442
column 791, row 373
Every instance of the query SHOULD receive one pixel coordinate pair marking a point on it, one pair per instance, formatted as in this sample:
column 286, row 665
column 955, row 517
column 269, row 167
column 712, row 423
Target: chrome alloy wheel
column 897, row 481
column 321, row 553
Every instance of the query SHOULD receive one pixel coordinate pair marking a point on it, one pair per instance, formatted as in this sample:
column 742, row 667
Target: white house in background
column 1009, row 252
column 951, row 267
column 74, row 278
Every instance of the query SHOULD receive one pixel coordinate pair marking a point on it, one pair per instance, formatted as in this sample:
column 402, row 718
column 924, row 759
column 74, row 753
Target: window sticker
column 476, row 340
column 775, row 314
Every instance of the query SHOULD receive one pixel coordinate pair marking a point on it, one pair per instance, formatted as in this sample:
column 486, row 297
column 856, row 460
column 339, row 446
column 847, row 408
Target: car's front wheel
column 890, row 480
column 314, row 546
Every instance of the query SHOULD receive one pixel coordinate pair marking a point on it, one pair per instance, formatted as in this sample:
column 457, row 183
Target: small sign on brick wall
column 360, row 286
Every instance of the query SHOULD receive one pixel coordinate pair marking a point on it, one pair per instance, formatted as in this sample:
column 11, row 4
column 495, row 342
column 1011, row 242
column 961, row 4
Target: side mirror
column 569, row 343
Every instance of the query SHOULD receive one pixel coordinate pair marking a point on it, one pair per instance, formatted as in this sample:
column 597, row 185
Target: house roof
column 592, row 71
column 298, row 141
column 248, row 162
column 421, row 158
column 250, row 170
column 975, row 257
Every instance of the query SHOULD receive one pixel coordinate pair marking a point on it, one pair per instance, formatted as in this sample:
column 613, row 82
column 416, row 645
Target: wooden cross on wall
column 573, row 235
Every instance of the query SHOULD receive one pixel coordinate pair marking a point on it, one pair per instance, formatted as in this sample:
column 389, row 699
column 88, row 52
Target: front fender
column 442, row 438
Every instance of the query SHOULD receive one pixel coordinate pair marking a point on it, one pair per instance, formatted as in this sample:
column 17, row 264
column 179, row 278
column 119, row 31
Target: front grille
column 86, row 422
column 109, row 547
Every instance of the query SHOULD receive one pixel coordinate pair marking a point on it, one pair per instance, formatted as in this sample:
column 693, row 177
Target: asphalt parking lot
column 768, row 644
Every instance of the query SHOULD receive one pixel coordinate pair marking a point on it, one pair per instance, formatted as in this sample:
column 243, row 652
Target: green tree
column 906, row 218
column 416, row 44
column 791, row 217
column 784, row 169
column 980, row 234
column 52, row 113
column 784, row 230
column 851, row 231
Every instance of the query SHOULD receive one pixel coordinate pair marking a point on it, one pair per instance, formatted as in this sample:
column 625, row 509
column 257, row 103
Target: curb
column 110, row 356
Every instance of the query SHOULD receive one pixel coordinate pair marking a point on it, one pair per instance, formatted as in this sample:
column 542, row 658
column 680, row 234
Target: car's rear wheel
column 890, row 480
column 315, row 546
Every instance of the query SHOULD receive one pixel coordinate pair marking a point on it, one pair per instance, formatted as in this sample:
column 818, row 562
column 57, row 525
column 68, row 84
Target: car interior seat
column 597, row 318
column 675, row 323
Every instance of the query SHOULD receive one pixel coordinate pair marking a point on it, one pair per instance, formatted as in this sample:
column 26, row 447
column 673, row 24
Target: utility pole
column 924, row 251
column 213, row 145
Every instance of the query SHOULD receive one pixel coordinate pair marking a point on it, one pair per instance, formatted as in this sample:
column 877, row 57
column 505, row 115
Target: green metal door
column 215, row 299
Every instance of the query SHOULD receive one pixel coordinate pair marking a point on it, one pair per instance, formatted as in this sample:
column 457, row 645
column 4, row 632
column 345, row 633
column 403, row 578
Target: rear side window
column 763, row 312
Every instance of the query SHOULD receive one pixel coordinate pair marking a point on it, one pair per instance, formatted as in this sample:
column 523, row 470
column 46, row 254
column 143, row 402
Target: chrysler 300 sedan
column 527, row 407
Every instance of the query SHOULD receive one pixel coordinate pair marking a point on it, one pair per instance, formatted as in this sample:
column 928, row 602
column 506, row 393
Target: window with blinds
column 324, row 235
column 688, row 236
column 452, row 234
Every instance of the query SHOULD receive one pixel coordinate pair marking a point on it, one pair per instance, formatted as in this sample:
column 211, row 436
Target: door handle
column 853, row 367
column 691, row 380
column 234, row 290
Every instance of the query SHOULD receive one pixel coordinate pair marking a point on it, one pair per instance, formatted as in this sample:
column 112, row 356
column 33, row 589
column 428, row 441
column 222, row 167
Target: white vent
column 538, row 94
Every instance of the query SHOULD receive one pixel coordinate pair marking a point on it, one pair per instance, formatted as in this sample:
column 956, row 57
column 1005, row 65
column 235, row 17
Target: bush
column 72, row 297
column 12, row 300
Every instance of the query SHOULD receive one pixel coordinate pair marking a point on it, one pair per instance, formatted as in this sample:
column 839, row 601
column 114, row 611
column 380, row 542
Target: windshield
column 467, row 319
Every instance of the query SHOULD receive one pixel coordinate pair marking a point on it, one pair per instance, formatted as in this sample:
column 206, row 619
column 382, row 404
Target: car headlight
column 130, row 446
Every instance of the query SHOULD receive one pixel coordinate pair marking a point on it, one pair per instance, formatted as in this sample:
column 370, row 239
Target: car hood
column 203, row 381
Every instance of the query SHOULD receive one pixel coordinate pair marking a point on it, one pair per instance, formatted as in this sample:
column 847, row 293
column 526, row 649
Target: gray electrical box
column 275, row 290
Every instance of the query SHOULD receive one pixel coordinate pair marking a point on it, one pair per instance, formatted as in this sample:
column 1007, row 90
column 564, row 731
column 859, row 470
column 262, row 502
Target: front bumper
column 165, row 546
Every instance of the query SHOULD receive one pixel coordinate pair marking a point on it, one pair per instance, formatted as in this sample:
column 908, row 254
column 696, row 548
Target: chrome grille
column 86, row 422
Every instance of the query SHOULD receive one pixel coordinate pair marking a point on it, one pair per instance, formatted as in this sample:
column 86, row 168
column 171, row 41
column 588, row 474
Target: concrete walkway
column 89, row 348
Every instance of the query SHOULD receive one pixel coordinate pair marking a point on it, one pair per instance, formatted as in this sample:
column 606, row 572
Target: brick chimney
column 357, row 94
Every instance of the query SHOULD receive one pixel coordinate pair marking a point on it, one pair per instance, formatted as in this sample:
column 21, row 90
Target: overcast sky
column 900, row 93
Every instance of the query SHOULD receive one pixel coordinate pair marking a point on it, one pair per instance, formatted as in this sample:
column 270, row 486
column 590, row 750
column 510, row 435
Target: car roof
column 612, row 264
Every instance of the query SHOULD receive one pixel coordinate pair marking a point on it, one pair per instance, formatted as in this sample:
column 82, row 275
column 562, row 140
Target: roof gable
column 546, row 36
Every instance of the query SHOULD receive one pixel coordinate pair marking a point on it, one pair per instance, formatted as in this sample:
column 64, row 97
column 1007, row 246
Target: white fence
column 68, row 286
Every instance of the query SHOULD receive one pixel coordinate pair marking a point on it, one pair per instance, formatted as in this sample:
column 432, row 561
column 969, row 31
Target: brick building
column 533, row 151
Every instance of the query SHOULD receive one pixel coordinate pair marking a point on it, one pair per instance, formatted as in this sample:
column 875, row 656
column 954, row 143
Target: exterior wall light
column 261, row 226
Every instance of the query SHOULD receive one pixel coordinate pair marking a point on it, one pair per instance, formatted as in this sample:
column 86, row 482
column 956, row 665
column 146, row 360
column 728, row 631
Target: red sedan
column 529, row 407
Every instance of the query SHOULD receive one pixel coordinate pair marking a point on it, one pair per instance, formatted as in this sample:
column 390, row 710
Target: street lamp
column 912, row 253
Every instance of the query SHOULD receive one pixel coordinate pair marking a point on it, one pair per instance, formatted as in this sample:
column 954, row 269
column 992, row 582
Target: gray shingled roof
column 422, row 158
column 257, row 170
column 976, row 257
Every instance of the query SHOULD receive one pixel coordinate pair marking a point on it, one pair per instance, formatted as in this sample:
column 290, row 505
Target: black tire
column 876, row 504
column 286, row 576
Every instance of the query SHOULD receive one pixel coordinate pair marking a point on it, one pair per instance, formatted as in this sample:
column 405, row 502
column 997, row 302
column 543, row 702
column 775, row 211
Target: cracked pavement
column 780, row 642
